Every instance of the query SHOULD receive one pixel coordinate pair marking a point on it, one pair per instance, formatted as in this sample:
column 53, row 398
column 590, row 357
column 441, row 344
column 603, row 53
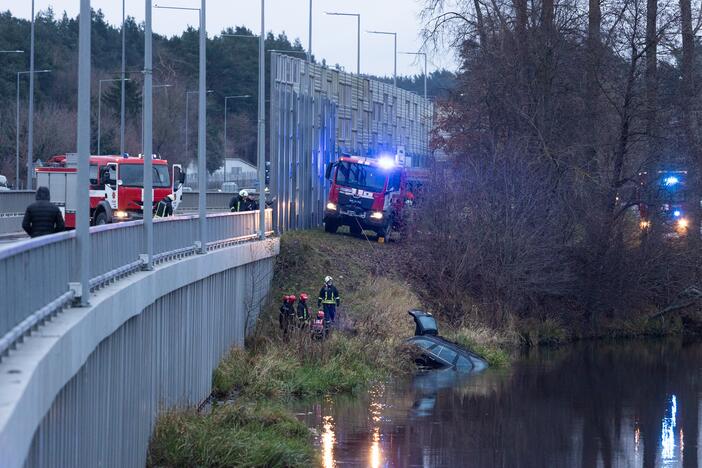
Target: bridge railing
column 35, row 274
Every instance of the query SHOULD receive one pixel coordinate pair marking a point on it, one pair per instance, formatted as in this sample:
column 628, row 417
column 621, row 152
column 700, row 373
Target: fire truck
column 663, row 199
column 116, row 186
column 366, row 194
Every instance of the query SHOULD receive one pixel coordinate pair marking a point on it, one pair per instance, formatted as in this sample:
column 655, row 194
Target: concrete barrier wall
column 85, row 390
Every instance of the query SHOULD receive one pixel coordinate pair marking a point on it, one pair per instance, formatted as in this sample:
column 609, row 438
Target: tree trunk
column 651, row 79
column 688, row 96
column 591, row 88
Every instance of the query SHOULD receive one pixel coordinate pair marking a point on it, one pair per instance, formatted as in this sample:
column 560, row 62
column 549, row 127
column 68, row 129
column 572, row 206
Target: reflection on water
column 594, row 405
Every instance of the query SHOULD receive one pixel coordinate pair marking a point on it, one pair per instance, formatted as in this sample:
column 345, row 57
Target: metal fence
column 318, row 113
column 16, row 202
column 35, row 274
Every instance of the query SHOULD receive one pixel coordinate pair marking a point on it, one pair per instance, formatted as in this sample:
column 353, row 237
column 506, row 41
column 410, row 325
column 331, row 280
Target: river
column 626, row 404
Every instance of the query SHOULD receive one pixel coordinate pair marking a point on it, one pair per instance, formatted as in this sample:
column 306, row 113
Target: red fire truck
column 366, row 194
column 116, row 186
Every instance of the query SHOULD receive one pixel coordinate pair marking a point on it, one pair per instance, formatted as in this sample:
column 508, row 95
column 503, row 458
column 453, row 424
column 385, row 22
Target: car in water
column 438, row 352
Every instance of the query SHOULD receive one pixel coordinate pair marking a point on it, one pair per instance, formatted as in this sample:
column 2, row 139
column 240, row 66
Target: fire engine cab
column 116, row 186
column 366, row 193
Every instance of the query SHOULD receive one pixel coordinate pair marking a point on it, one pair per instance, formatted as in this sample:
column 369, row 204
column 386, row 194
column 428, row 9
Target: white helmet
column 243, row 193
column 328, row 279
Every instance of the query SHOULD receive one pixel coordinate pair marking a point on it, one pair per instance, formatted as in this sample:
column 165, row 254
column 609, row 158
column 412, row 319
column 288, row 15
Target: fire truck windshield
column 361, row 176
column 132, row 175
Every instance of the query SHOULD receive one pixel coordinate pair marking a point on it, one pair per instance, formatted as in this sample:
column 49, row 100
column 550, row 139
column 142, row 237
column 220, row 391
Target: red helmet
column 304, row 297
column 320, row 314
column 292, row 298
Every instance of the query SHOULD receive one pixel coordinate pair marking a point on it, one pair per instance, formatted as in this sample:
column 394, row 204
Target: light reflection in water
column 668, row 431
column 376, row 408
column 328, row 440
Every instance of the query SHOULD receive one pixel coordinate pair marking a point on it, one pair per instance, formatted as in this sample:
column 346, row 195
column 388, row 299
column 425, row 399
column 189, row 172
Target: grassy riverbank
column 249, row 425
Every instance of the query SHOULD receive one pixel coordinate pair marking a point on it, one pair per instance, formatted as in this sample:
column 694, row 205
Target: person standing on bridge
column 329, row 298
column 242, row 202
column 42, row 217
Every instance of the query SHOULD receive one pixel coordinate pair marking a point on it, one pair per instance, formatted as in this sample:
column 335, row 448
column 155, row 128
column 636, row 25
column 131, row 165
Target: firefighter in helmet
column 329, row 299
column 241, row 202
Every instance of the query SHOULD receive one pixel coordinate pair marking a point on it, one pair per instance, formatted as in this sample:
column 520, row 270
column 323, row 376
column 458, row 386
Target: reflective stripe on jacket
column 329, row 295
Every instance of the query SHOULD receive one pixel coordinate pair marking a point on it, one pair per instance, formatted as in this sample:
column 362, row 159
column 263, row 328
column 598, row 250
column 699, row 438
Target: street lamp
column 17, row 129
column 202, row 116
column 142, row 114
column 99, row 152
column 226, row 99
column 358, row 38
column 425, row 68
column 187, row 112
column 261, row 136
column 386, row 33
column 30, row 116
column 122, row 91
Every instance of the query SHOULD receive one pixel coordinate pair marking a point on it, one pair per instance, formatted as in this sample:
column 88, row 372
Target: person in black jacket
column 42, row 217
column 329, row 298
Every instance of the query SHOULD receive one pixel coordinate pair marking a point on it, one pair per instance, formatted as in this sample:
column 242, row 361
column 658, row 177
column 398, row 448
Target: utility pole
column 309, row 41
column 17, row 126
column 83, row 144
column 30, row 117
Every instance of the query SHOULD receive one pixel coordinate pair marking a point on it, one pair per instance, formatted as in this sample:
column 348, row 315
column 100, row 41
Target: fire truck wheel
column 101, row 219
column 331, row 227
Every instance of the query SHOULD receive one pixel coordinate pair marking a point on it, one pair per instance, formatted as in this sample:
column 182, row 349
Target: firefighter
column 320, row 327
column 286, row 313
column 165, row 206
column 238, row 202
column 329, row 298
column 303, row 311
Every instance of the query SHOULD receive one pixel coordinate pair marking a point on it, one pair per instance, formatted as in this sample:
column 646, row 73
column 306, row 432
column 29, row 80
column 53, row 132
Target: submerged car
column 438, row 352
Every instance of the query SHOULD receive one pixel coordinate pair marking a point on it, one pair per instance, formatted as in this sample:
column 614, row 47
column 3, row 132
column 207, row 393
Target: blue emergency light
column 670, row 181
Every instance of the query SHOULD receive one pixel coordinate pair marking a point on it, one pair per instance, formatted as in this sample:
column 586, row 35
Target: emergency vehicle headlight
column 645, row 224
column 682, row 223
column 331, row 206
column 119, row 214
column 377, row 215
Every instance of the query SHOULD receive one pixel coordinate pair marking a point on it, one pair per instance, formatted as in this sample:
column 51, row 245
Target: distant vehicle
column 116, row 186
column 230, row 187
column 663, row 198
column 187, row 189
column 3, row 184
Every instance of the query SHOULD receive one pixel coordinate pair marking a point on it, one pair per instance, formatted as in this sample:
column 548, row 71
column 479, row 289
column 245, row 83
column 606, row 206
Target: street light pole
column 30, row 117
column 201, row 135
column 99, row 152
column 394, row 34
column 358, row 36
column 262, row 126
column 425, row 68
column 17, row 126
column 226, row 99
column 147, row 135
column 309, row 42
column 123, row 76
column 187, row 112
column 83, row 143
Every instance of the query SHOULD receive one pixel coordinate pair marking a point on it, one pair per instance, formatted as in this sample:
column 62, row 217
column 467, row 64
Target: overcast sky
column 333, row 37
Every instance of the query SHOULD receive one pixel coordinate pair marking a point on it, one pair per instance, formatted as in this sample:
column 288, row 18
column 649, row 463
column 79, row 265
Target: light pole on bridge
column 394, row 34
column 358, row 36
column 419, row 54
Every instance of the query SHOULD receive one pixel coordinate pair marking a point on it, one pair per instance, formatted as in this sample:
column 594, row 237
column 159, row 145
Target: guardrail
column 35, row 274
column 15, row 202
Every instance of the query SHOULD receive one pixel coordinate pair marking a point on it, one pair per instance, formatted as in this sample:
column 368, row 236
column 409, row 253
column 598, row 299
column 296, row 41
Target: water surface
column 603, row 404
